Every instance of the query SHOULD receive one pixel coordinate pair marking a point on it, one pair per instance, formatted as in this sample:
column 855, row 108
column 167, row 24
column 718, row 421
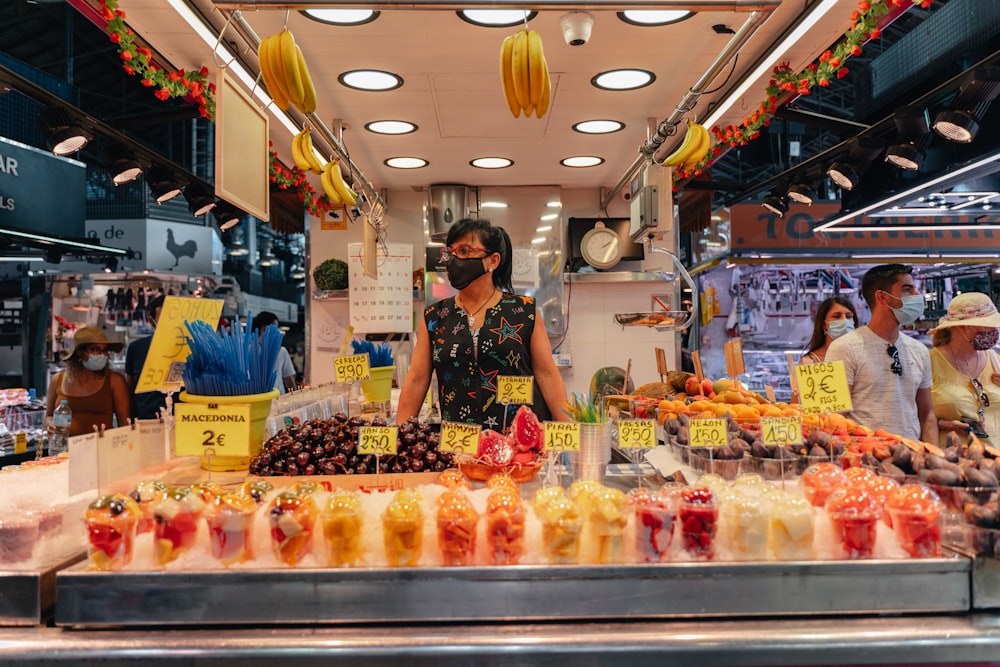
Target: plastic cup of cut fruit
column 916, row 520
column 456, row 524
column 505, row 526
column 561, row 526
column 342, row 522
column 790, row 528
column 175, row 522
column 819, row 480
column 854, row 515
column 699, row 518
column 292, row 518
column 230, row 520
column 111, row 524
column 403, row 530
column 653, row 514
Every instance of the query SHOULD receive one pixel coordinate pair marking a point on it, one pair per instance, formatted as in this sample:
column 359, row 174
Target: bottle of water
column 61, row 419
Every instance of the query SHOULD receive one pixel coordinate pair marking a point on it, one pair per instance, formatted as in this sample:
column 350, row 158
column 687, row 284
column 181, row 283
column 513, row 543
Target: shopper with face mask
column 889, row 373
column 964, row 365
column 95, row 393
column 834, row 318
column 483, row 332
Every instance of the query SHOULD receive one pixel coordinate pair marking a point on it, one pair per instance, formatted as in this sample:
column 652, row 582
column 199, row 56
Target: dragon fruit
column 526, row 431
column 494, row 448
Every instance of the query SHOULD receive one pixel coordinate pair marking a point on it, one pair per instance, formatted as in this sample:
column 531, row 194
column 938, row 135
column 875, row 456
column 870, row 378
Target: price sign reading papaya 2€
column 354, row 367
column 781, row 430
column 562, row 436
column 514, row 389
column 380, row 440
column 708, row 432
column 636, row 434
column 823, row 388
column 224, row 429
column 459, row 437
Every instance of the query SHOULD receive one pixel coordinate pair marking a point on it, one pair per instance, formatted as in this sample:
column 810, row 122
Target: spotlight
column 111, row 265
column 843, row 174
column 803, row 193
column 775, row 204
column 909, row 156
column 297, row 272
column 200, row 200
column 914, row 126
column 226, row 215
column 162, row 183
column 53, row 256
column 63, row 135
column 846, row 172
column 961, row 122
column 121, row 163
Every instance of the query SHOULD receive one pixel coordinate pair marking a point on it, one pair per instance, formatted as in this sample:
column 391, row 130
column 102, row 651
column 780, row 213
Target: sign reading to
column 223, row 428
column 168, row 351
column 562, row 436
column 823, row 388
column 351, row 368
column 378, row 440
column 708, row 432
column 459, row 437
column 514, row 389
column 636, row 434
column 781, row 430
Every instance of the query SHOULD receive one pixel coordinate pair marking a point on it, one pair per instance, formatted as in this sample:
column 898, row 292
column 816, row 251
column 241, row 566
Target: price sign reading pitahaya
column 513, row 389
column 459, row 437
column 781, row 430
column 636, row 434
column 562, row 436
column 708, row 432
column 351, row 368
column 380, row 440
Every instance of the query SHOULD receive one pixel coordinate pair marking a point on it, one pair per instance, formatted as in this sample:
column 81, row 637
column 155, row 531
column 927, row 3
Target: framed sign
column 242, row 160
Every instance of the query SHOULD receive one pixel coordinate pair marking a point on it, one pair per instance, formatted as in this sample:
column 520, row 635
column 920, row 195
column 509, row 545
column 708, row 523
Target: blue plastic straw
column 231, row 363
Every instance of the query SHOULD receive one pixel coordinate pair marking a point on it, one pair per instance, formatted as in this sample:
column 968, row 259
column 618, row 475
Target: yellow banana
column 278, row 68
column 507, row 77
column 328, row 189
column 308, row 153
column 543, row 104
column 701, row 150
column 530, row 109
column 309, row 101
column 297, row 155
column 347, row 195
column 290, row 62
column 267, row 73
column 683, row 152
column 536, row 63
column 519, row 68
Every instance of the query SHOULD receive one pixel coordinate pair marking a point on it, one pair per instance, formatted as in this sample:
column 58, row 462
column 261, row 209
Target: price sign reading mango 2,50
column 459, row 437
column 708, row 432
column 636, row 434
column 379, row 440
column 514, row 389
column 781, row 430
column 562, row 436
column 823, row 388
column 354, row 367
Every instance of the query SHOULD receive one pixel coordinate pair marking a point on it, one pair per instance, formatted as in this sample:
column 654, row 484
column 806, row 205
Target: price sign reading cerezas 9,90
column 351, row 368
column 823, row 388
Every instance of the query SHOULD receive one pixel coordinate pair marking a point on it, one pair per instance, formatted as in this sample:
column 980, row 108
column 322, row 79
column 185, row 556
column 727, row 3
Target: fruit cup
column 292, row 518
column 607, row 516
column 790, row 527
column 820, row 480
column 653, row 513
column 561, row 526
column 916, row 519
column 452, row 478
column 230, row 519
column 881, row 488
column 342, row 520
column 456, row 525
column 854, row 515
column 257, row 489
column 505, row 526
column 544, row 495
column 699, row 515
column 147, row 494
column 175, row 522
column 111, row 524
column 747, row 528
column 403, row 530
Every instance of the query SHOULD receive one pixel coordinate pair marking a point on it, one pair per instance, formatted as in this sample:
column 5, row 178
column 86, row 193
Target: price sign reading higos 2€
column 514, row 389
column 636, row 434
column 562, row 436
column 378, row 440
column 459, row 437
column 781, row 430
column 823, row 388
column 223, row 429
column 708, row 432
column 168, row 351
column 354, row 367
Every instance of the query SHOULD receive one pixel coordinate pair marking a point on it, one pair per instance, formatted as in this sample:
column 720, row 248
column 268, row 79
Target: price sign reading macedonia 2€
column 823, row 388
column 459, row 437
column 636, row 434
column 514, row 389
column 781, row 430
column 225, row 429
column 562, row 436
column 708, row 432
column 380, row 440
column 354, row 367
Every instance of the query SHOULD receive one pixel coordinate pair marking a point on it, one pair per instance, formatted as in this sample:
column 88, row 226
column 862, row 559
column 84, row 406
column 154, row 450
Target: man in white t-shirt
column 285, row 380
column 889, row 373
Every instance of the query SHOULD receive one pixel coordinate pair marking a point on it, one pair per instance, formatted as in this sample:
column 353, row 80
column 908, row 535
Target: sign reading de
column 28, row 180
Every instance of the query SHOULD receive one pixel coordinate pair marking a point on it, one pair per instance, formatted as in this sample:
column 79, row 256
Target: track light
column 122, row 164
column 111, row 265
column 961, row 122
column 226, row 215
column 776, row 204
column 162, row 183
column 63, row 135
column 803, row 193
column 267, row 257
column 199, row 198
column 909, row 155
column 843, row 174
column 846, row 172
column 914, row 126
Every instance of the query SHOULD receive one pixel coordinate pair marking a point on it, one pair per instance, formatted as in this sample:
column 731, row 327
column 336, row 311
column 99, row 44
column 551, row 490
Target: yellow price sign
column 351, row 368
column 224, row 429
column 636, row 434
column 380, row 440
column 21, row 442
column 168, row 350
column 823, row 388
column 459, row 437
column 708, row 432
column 781, row 430
column 514, row 389
column 562, row 436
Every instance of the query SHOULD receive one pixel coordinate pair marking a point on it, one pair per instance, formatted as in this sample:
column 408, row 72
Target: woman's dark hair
column 818, row 339
column 494, row 239
column 262, row 320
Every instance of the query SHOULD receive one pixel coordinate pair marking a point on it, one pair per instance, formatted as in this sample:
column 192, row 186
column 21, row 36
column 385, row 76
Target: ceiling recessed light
column 406, row 162
column 370, row 79
column 492, row 204
column 623, row 79
column 496, row 18
column 554, row 204
column 653, row 17
column 342, row 16
column 543, row 229
column 538, row 240
column 390, row 127
column 491, row 162
column 549, row 216
column 581, row 161
column 598, row 126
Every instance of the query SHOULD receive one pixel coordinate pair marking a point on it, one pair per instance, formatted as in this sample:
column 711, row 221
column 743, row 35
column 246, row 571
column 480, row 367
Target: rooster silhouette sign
column 187, row 249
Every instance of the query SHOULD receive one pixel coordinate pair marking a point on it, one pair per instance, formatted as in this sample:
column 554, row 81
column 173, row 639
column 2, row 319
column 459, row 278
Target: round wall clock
column 601, row 247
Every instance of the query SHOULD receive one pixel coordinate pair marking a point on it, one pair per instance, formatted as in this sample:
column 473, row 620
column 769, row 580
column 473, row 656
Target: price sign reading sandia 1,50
column 224, row 429
column 562, row 436
column 380, row 440
column 708, row 432
column 823, row 388
column 636, row 434
column 459, row 437
column 354, row 367
column 781, row 430
column 514, row 389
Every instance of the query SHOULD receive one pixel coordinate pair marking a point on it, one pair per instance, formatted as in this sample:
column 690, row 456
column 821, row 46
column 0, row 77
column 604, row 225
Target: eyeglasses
column 897, row 365
column 984, row 400
column 95, row 349
column 464, row 251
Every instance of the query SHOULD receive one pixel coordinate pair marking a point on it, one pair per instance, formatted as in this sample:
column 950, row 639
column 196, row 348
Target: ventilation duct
column 447, row 204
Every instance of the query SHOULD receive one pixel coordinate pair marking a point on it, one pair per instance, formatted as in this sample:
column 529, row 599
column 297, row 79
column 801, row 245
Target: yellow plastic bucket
column 379, row 387
column 260, row 408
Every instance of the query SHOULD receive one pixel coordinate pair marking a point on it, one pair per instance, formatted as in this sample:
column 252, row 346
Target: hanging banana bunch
column 334, row 186
column 694, row 148
column 303, row 153
column 285, row 73
column 524, row 75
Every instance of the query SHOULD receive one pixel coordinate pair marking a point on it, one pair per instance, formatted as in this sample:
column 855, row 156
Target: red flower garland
column 293, row 178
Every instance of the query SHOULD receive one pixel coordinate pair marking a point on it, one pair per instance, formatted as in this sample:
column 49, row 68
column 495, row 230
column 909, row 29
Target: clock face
column 601, row 247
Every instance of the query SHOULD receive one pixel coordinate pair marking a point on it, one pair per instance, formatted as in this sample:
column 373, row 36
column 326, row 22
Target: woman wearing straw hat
column 965, row 367
column 95, row 393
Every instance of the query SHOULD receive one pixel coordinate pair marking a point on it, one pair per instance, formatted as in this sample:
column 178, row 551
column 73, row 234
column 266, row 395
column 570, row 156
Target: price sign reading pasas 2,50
column 514, row 389
column 708, row 432
column 823, row 388
column 459, row 437
column 562, row 436
column 380, row 440
column 354, row 367
column 781, row 430
column 225, row 429
column 636, row 434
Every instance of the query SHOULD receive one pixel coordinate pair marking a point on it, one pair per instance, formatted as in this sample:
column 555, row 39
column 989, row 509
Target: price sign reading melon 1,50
column 708, row 432
column 636, row 434
column 225, row 429
column 459, row 437
column 354, row 367
column 781, row 430
column 514, row 389
column 562, row 436
column 823, row 388
column 380, row 440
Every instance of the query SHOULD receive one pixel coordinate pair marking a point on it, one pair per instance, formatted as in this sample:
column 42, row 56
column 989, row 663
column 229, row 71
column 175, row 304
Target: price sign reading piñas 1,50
column 708, row 432
column 823, row 388
column 379, row 440
column 562, row 436
column 354, row 367
column 636, row 434
column 781, row 430
column 224, row 429
column 514, row 389
column 459, row 437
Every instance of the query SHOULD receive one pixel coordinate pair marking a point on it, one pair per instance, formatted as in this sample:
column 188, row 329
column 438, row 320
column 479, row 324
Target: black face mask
column 461, row 272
